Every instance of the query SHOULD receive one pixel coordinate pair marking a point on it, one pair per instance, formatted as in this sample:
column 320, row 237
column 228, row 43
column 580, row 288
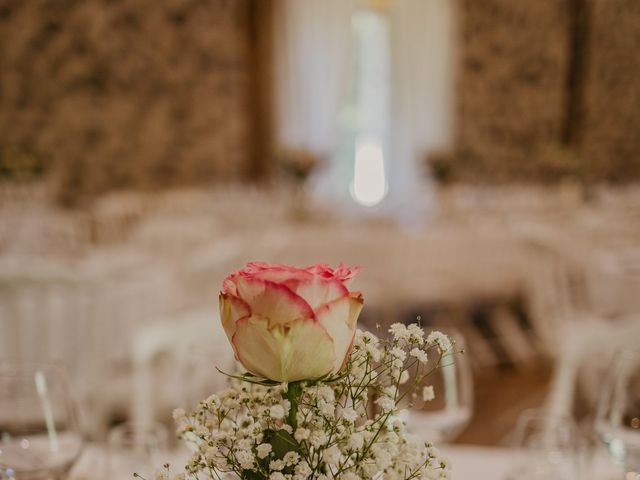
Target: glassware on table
column 39, row 432
column 443, row 418
column 547, row 448
column 617, row 420
column 133, row 448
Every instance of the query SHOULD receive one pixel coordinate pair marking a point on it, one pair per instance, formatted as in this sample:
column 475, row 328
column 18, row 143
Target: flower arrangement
column 321, row 399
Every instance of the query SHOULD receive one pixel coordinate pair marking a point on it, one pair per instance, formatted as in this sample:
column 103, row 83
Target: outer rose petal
column 284, row 277
column 342, row 273
column 317, row 291
column 232, row 309
column 273, row 301
column 229, row 285
column 301, row 350
column 274, row 272
column 340, row 318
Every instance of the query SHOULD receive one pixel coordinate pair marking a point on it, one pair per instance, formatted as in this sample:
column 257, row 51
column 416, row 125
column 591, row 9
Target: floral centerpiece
column 321, row 398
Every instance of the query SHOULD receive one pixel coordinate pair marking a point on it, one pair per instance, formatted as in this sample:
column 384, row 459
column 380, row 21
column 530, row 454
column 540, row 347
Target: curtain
column 313, row 68
column 423, row 81
column 312, row 40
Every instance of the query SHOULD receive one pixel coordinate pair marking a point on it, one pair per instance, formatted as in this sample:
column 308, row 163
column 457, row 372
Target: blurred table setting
column 469, row 462
column 124, row 298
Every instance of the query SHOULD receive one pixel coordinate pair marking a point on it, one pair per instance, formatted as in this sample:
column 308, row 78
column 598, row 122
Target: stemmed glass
column 134, row 448
column 617, row 420
column 448, row 413
column 39, row 432
column 546, row 447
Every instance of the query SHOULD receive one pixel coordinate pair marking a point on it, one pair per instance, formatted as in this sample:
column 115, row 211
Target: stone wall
column 611, row 137
column 106, row 94
column 516, row 90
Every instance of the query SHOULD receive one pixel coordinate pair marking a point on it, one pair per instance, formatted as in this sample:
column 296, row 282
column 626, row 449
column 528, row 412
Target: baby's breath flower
column 386, row 403
column 399, row 353
column 441, row 340
column 276, row 412
column 337, row 438
column 421, row 355
column 302, row 434
column 326, row 393
column 382, row 458
column 245, row 459
column 399, row 331
column 244, row 444
column 326, row 408
column 291, row 458
column 302, row 469
column 416, row 331
column 263, row 450
column 332, row 455
column 318, row 438
column 428, row 393
column 356, row 441
column 213, row 400
column 200, row 430
column 349, row 414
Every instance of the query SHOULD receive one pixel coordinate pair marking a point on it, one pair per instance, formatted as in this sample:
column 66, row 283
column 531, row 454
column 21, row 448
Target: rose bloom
column 287, row 323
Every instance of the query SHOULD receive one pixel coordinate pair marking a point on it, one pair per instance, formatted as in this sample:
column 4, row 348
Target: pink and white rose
column 287, row 323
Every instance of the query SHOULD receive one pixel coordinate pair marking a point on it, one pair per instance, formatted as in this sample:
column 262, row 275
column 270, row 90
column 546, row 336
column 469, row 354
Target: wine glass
column 617, row 420
column 547, row 447
column 449, row 412
column 39, row 432
column 136, row 448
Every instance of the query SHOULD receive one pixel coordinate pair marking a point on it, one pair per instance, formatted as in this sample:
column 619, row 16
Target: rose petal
column 318, row 291
column 232, row 309
column 284, row 277
column 301, row 350
column 229, row 285
column 341, row 273
column 273, row 301
column 339, row 318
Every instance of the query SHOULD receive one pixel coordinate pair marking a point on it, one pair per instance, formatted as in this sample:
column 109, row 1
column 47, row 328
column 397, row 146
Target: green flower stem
column 294, row 390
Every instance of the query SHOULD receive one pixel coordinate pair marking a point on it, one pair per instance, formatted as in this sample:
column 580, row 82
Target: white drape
column 312, row 39
column 423, row 77
column 312, row 68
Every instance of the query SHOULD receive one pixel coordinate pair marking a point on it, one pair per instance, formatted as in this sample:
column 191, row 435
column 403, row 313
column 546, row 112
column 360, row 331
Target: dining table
column 469, row 462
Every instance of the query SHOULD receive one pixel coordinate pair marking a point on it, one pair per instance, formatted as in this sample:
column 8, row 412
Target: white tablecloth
column 469, row 462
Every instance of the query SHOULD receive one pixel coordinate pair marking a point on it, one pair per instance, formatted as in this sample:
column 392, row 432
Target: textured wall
column 115, row 93
column 512, row 85
column 514, row 91
column 611, row 137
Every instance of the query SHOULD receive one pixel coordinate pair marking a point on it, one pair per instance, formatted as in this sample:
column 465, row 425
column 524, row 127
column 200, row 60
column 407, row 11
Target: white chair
column 81, row 314
column 174, row 361
column 589, row 346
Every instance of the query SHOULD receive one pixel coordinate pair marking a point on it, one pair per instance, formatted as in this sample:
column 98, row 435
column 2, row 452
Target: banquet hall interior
column 479, row 159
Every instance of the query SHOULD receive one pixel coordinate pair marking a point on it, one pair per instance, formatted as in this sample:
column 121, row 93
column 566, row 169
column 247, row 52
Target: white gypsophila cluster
column 345, row 426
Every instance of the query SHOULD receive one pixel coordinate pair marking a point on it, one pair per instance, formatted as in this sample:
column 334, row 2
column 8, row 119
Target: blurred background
column 480, row 160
